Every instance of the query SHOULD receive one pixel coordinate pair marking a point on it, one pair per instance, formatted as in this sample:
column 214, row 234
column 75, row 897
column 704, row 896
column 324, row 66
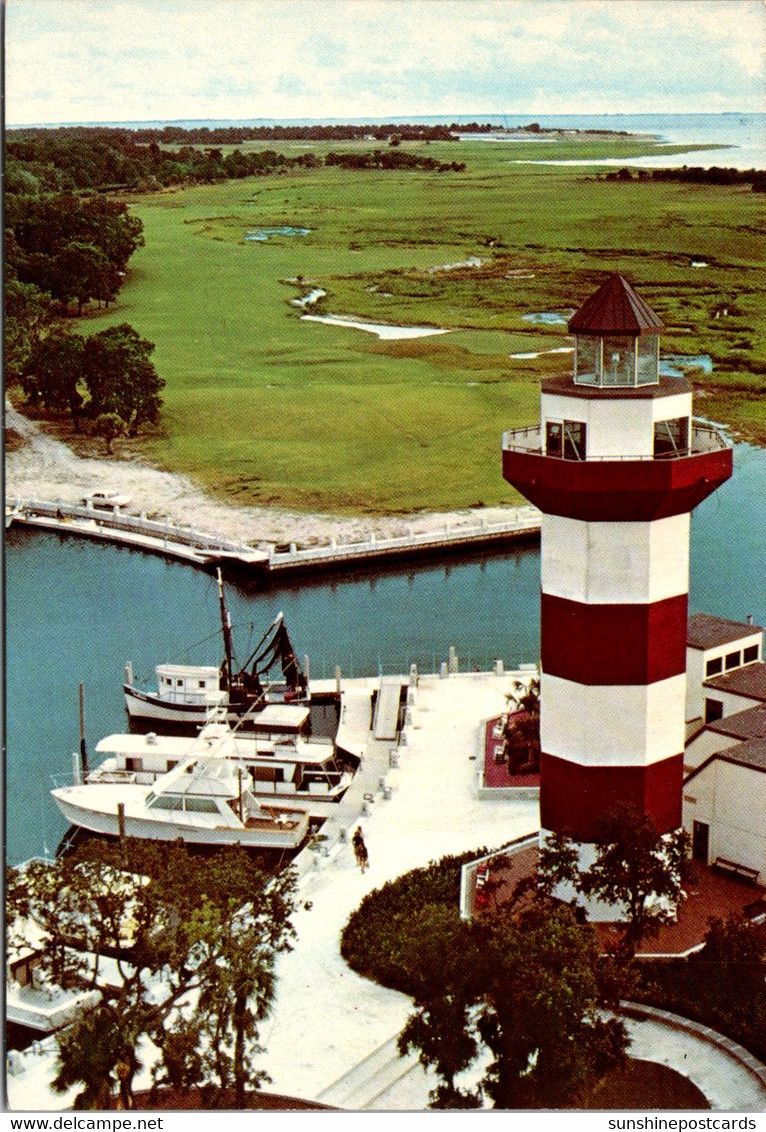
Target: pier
column 204, row 549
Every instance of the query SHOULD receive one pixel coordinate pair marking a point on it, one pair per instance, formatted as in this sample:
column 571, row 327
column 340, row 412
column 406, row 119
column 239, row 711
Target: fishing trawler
column 186, row 693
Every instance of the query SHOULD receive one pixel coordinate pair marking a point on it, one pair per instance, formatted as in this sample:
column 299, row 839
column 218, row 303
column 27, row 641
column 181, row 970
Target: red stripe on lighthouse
column 574, row 798
column 613, row 643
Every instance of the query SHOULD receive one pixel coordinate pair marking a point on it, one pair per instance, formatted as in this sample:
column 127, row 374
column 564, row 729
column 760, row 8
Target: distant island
column 236, row 135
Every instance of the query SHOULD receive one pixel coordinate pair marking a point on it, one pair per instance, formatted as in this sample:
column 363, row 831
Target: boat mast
column 226, row 627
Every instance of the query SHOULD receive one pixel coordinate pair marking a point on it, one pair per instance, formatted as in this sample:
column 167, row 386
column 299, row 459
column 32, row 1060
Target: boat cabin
column 189, row 684
column 282, row 763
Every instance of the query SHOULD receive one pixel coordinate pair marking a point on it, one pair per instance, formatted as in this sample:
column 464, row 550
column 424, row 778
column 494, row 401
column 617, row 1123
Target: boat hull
column 143, row 705
column 105, row 820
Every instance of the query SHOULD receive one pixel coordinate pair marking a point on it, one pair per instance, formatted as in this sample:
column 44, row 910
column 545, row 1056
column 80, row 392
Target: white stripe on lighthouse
column 599, row 563
column 616, row 725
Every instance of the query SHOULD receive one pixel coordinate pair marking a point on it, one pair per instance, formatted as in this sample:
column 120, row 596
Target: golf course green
column 264, row 407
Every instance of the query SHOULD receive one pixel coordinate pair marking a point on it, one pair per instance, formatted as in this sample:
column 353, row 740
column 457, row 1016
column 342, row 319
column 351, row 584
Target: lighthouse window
column 619, row 365
column 671, row 438
column 553, row 433
column 750, row 654
column 565, row 439
column 714, row 666
column 587, row 360
column 648, row 360
column 574, row 440
column 733, row 660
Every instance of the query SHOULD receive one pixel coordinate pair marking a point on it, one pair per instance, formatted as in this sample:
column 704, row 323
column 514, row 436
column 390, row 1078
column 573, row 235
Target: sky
column 141, row 60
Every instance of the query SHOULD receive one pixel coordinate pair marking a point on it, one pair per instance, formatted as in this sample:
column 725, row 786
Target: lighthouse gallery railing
column 704, row 438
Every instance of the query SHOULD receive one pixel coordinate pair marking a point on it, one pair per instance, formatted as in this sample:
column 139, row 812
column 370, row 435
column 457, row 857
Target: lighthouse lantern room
column 616, row 466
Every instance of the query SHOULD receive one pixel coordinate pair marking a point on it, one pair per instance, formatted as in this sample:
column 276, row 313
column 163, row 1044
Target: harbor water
column 76, row 611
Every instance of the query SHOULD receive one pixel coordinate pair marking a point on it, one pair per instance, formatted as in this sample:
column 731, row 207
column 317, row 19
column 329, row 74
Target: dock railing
column 200, row 547
column 521, row 520
column 118, row 520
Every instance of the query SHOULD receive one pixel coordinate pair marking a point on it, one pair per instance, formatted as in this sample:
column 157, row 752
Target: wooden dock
column 205, row 550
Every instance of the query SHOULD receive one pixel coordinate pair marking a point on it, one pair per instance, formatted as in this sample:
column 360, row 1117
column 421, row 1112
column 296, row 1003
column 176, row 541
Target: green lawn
column 261, row 407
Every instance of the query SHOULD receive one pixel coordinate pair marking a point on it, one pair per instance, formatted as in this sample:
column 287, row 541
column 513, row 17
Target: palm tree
column 521, row 750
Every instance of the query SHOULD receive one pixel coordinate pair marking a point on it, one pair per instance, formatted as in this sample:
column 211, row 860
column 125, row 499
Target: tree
column 27, row 314
column 557, row 864
column 530, row 987
column 108, row 426
column 53, row 374
column 121, row 378
column 722, row 985
column 542, row 1014
column 521, row 749
column 82, row 273
column 194, row 947
column 637, row 870
column 728, row 976
column 442, row 964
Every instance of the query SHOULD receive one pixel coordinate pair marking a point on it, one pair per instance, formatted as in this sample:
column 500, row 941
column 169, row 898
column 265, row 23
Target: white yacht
column 278, row 761
column 205, row 799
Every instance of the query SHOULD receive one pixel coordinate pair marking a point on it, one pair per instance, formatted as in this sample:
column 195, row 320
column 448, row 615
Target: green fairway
column 262, row 407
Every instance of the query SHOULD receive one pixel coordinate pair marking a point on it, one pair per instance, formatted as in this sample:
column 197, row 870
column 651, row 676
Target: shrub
column 382, row 934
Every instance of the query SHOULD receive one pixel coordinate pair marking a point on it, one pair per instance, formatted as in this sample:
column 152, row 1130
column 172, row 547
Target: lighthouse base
column 597, row 910
column 574, row 797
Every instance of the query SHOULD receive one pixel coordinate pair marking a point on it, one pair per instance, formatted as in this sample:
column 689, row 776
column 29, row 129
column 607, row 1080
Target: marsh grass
column 262, row 407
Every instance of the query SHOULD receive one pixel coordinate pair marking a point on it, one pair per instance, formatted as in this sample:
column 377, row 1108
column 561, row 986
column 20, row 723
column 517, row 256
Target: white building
column 724, row 802
column 716, row 650
column 725, row 810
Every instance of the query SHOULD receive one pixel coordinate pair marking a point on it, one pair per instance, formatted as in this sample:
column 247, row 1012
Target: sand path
column 46, row 469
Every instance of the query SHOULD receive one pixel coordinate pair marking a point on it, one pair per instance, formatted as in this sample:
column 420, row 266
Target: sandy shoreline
column 46, row 469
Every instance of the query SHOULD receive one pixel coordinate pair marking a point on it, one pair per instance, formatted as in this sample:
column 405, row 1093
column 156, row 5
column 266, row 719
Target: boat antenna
column 226, row 627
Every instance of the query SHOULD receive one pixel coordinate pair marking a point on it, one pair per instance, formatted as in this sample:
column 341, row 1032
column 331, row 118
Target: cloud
column 111, row 60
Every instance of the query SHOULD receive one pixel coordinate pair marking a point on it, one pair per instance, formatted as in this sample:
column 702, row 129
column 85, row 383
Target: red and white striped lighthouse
column 616, row 466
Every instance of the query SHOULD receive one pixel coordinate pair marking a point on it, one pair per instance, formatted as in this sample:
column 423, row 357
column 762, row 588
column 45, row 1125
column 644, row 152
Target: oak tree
column 121, row 378
column 191, row 948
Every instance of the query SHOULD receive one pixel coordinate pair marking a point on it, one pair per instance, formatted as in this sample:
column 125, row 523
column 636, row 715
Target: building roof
column 615, row 309
column 747, row 724
column 751, row 755
column 749, row 681
column 704, row 631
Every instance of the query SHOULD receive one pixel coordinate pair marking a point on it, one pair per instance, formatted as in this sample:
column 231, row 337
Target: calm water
column 76, row 611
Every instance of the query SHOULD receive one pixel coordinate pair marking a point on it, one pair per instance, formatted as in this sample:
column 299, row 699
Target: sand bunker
column 382, row 330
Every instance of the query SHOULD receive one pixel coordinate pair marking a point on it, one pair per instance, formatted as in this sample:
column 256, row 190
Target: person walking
column 360, row 850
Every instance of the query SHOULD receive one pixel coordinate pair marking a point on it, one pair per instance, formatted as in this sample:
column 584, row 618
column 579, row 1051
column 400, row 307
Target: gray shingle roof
column 615, row 309
column 704, row 631
column 749, row 681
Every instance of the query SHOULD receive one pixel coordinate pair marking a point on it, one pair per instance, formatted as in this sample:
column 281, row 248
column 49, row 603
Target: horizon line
column 387, row 119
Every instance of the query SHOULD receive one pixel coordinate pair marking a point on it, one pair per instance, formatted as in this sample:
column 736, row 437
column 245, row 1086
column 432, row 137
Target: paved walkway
column 728, row 1085
column 327, row 1020
column 331, row 1035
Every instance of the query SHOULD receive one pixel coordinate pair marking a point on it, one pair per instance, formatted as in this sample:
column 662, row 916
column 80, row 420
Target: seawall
column 206, row 550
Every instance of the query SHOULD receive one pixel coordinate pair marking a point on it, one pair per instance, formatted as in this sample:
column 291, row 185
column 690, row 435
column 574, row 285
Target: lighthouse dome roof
column 615, row 308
